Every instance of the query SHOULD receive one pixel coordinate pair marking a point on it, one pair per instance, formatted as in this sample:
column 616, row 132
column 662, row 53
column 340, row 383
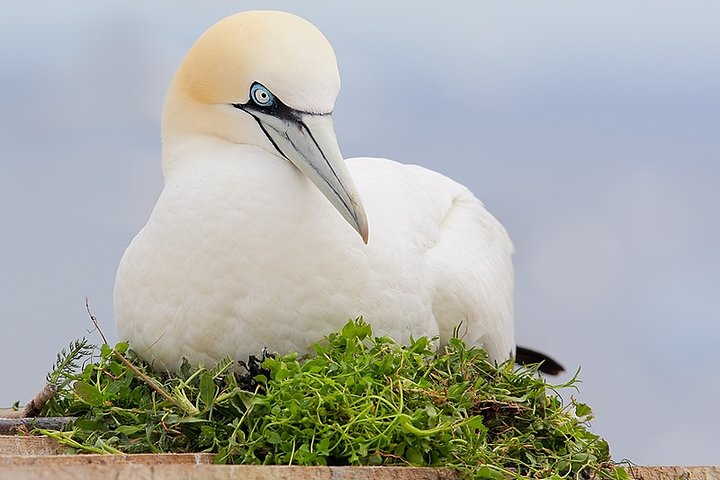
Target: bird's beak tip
column 360, row 222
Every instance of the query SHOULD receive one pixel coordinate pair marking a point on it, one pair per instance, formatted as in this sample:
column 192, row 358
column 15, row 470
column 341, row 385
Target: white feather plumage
column 243, row 252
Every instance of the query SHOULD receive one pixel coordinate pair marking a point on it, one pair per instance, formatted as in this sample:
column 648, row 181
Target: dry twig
column 33, row 407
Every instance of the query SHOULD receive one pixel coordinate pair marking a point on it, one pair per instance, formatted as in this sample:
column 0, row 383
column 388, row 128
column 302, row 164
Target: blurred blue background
column 591, row 130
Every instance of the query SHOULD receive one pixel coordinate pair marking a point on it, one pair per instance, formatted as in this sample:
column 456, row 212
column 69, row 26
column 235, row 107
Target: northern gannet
column 263, row 236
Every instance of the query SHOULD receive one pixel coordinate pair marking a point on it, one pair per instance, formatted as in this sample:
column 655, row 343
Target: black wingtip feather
column 526, row 356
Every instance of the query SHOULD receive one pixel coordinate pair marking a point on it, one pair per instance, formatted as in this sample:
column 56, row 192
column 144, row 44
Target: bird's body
column 243, row 249
column 204, row 282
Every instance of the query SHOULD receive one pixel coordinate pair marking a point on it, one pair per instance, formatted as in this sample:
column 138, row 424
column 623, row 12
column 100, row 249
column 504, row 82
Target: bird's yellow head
column 267, row 79
column 281, row 51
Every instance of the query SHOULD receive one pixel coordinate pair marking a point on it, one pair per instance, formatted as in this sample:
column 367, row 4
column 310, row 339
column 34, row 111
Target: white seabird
column 263, row 236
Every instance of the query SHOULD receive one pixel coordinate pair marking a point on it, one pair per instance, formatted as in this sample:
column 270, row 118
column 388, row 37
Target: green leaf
column 619, row 473
column 105, row 351
column 122, row 347
column 207, row 389
column 207, row 436
column 488, row 473
column 477, row 422
column 88, row 393
column 582, row 410
column 431, row 411
column 274, row 438
column 323, row 447
column 89, row 425
column 356, row 329
column 129, row 429
column 414, row 456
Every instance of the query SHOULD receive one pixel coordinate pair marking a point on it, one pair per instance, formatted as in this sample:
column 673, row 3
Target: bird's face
column 267, row 79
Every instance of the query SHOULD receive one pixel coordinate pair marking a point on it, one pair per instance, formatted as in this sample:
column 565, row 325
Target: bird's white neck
column 202, row 151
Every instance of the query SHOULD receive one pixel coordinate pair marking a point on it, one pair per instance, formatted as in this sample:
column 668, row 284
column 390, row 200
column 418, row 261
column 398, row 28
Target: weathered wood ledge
column 41, row 458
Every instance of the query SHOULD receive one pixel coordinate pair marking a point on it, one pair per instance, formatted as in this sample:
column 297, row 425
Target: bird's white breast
column 242, row 252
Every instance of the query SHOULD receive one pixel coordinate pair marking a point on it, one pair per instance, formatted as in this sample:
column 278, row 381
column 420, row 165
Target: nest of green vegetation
column 359, row 400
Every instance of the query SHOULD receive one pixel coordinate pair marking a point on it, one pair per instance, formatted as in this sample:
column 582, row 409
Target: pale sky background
column 591, row 130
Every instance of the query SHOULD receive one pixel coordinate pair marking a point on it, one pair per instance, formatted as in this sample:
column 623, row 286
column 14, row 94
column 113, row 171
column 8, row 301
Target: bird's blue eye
column 261, row 95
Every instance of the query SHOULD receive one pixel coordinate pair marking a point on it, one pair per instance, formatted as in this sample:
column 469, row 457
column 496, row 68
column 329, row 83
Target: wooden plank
column 222, row 472
column 60, row 460
column 35, row 457
column 675, row 473
column 140, row 471
column 28, row 445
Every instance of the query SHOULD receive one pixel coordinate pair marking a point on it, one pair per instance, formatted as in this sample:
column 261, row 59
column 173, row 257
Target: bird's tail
column 526, row 356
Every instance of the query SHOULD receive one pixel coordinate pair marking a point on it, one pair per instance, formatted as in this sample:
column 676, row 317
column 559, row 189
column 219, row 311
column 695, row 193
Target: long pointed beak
column 309, row 142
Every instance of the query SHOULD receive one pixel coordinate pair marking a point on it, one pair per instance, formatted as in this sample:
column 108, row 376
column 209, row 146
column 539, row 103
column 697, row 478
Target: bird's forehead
column 284, row 52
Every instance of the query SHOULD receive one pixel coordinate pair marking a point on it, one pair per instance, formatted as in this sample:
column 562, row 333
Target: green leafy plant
column 359, row 400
